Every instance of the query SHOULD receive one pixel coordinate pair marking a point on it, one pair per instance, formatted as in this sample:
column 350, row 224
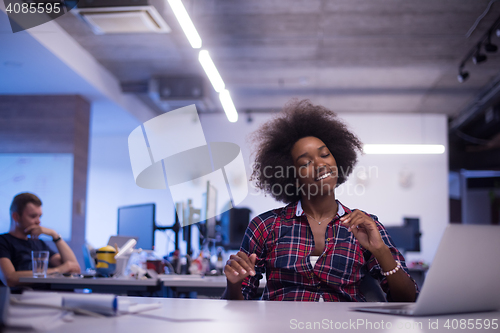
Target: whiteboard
column 50, row 177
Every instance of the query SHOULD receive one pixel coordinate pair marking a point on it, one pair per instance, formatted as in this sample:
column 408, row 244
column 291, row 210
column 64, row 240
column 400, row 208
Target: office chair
column 4, row 305
column 371, row 289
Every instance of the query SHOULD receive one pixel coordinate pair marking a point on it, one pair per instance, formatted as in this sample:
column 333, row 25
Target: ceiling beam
column 63, row 46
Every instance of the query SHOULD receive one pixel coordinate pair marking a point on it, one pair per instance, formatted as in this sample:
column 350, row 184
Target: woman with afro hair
column 314, row 248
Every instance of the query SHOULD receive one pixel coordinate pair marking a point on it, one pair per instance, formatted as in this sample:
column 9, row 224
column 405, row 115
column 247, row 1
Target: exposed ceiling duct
column 169, row 93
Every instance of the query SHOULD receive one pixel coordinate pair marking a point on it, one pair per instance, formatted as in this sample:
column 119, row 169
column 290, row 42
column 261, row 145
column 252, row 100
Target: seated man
column 15, row 247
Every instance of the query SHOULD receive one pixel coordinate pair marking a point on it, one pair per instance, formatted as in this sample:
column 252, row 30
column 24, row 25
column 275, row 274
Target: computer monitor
column 406, row 237
column 234, row 223
column 402, row 237
column 120, row 240
column 414, row 224
column 138, row 221
column 210, row 210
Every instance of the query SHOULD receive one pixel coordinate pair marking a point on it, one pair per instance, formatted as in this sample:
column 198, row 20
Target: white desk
column 166, row 285
column 207, row 285
column 218, row 316
column 197, row 281
column 108, row 285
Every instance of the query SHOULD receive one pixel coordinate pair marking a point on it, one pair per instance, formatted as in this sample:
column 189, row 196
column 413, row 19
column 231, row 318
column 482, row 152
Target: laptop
column 120, row 240
column 464, row 276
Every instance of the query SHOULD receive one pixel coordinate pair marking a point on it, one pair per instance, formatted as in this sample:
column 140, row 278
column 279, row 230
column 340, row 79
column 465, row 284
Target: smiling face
column 317, row 168
column 30, row 216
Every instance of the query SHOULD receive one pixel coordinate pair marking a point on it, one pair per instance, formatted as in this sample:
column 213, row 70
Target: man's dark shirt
column 19, row 250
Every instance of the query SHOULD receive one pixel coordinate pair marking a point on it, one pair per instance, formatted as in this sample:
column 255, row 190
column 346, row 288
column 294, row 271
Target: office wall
column 111, row 185
column 398, row 186
column 405, row 185
column 51, row 124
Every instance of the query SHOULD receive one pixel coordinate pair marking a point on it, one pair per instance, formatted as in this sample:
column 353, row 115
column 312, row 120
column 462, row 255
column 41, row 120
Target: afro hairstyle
column 275, row 139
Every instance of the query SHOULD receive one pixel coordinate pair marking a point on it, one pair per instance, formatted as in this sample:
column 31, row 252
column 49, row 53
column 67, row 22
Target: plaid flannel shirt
column 283, row 242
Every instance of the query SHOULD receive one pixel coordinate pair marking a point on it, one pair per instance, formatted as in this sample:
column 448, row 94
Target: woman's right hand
column 239, row 266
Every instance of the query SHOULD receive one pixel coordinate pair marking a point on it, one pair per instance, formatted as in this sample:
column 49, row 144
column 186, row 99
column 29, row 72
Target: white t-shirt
column 313, row 263
column 299, row 211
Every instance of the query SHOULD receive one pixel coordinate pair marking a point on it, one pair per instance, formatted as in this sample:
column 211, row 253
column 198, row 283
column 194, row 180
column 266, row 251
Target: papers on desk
column 45, row 310
column 39, row 313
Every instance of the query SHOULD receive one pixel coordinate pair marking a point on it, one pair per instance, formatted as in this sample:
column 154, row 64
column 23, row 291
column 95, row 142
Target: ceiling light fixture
column 474, row 53
column 462, row 75
column 401, row 149
column 205, row 59
column 489, row 47
column 218, row 84
column 186, row 24
column 211, row 71
column 228, row 106
column 478, row 57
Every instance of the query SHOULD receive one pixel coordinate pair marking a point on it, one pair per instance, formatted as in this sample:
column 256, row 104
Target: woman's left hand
column 364, row 229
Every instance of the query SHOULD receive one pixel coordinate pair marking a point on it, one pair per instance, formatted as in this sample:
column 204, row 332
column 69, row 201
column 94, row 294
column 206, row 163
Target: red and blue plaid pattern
column 283, row 242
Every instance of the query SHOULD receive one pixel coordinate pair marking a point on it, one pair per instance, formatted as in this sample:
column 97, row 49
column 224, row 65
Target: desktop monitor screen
column 414, row 224
column 402, row 237
column 210, row 210
column 407, row 236
column 234, row 223
column 138, row 221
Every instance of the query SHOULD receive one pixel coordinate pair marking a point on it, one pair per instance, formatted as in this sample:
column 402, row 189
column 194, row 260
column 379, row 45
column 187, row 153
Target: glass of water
column 40, row 263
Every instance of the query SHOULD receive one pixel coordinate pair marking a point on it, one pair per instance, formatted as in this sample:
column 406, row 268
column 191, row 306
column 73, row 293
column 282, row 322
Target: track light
column 474, row 53
column 478, row 57
column 462, row 76
column 489, row 47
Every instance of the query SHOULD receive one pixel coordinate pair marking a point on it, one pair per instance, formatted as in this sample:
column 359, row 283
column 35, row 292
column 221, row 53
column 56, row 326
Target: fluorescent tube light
column 211, row 70
column 228, row 106
column 403, row 149
column 186, row 23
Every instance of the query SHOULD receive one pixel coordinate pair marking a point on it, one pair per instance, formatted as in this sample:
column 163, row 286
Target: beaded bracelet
column 393, row 270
